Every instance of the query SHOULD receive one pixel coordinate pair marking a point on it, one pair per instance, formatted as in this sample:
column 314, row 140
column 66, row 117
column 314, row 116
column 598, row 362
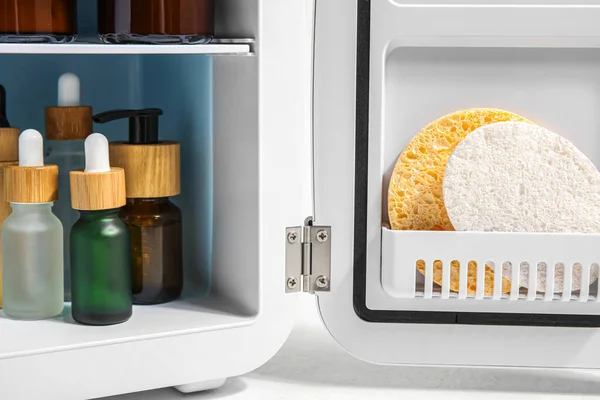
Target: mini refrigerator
column 290, row 125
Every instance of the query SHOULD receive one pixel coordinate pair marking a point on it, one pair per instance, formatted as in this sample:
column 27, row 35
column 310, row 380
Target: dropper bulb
column 69, row 89
column 31, row 149
column 96, row 153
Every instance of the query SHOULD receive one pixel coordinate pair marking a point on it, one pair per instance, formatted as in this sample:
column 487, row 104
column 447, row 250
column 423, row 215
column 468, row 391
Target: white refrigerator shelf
column 94, row 46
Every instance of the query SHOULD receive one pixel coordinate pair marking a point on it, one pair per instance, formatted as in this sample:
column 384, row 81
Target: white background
column 313, row 366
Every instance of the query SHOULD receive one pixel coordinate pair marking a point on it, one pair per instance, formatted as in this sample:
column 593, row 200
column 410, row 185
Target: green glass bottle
column 100, row 243
column 101, row 272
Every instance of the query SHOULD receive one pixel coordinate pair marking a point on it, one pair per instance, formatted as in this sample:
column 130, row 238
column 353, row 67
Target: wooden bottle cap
column 151, row 170
column 31, row 184
column 9, row 144
column 98, row 191
column 68, row 123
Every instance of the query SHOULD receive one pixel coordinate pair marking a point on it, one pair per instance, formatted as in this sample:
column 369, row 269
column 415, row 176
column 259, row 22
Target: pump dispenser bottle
column 67, row 126
column 32, row 248
column 9, row 155
column 152, row 172
column 100, row 272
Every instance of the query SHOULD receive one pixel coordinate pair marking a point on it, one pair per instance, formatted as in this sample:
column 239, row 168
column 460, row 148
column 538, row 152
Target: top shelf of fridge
column 89, row 46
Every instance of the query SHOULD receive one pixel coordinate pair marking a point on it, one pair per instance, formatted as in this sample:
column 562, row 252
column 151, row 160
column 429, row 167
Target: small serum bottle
column 67, row 126
column 152, row 170
column 9, row 155
column 100, row 255
column 32, row 248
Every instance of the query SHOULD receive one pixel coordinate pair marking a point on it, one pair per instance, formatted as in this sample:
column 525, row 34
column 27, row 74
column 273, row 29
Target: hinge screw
column 292, row 283
column 292, row 237
column 322, row 236
column 322, row 281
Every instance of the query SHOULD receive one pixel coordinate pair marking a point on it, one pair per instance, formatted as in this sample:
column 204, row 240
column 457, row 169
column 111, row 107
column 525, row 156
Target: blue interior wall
column 179, row 84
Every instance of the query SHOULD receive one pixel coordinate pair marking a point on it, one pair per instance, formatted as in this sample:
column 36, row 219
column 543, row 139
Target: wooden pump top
column 9, row 136
column 152, row 167
column 151, row 170
column 9, row 144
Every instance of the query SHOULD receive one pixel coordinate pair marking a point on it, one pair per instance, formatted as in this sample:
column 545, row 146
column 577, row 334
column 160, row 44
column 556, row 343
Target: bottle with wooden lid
column 32, row 248
column 67, row 126
column 38, row 21
column 152, row 172
column 100, row 272
column 9, row 155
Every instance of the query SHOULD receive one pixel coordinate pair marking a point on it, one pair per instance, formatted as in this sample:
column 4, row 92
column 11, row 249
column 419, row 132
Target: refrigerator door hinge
column 308, row 258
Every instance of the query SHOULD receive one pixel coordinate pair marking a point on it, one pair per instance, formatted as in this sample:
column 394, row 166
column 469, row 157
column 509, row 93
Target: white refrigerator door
column 353, row 42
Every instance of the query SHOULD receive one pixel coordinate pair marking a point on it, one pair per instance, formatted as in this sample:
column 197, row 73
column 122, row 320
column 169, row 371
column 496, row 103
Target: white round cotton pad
column 518, row 177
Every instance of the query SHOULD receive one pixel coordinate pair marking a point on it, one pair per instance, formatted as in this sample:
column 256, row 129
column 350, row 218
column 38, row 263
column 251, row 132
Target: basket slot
column 480, row 290
column 428, row 292
column 595, row 289
column 550, row 269
column 514, row 278
column 446, row 280
column 584, row 292
column 567, row 281
column 462, row 286
column 532, row 282
column 497, row 280
column 419, row 281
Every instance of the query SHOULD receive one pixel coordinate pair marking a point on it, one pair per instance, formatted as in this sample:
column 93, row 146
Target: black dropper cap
column 143, row 124
column 3, row 119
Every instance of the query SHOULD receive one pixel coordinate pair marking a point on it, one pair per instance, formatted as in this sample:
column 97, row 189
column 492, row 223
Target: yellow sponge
column 415, row 196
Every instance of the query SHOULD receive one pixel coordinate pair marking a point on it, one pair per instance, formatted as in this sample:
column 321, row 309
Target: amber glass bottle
column 153, row 175
column 156, row 21
column 156, row 254
column 38, row 21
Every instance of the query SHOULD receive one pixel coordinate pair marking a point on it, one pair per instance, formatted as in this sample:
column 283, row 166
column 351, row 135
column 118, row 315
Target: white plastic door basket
column 570, row 255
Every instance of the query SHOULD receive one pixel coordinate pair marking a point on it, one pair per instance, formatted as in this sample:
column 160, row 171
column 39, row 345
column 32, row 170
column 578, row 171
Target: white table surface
column 313, row 366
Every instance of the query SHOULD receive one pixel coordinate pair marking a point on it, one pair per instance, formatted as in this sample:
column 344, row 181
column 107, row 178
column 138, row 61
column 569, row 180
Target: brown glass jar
column 156, row 249
column 156, row 21
column 38, row 21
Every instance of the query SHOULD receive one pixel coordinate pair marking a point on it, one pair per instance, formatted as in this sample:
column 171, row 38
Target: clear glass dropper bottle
column 67, row 126
column 32, row 248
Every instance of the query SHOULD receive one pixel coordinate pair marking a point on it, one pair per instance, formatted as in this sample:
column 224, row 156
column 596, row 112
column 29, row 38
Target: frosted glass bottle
column 68, row 155
column 32, row 252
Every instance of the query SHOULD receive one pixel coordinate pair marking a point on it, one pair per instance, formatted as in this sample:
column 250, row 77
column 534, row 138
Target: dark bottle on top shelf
column 38, row 21
column 156, row 21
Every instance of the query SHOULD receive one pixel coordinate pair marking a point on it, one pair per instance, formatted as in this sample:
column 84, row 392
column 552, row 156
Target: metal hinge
column 308, row 258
